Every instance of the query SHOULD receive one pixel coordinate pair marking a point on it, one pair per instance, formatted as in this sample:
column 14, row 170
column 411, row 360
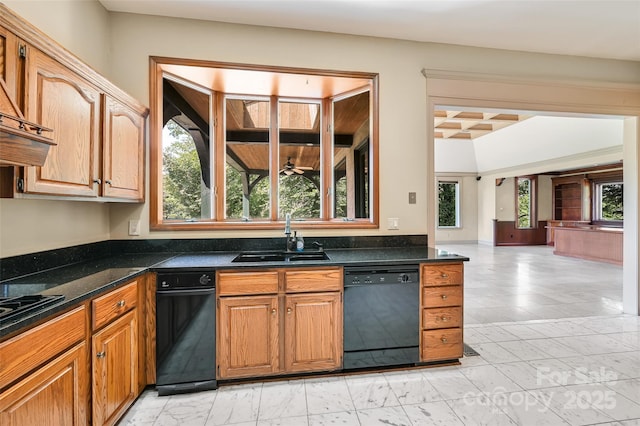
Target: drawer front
column 442, row 317
column 113, row 304
column 245, row 283
column 30, row 349
column 442, row 274
column 313, row 280
column 434, row 297
column 442, row 344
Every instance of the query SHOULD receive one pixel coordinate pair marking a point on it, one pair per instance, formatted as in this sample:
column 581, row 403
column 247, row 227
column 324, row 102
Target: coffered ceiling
column 470, row 125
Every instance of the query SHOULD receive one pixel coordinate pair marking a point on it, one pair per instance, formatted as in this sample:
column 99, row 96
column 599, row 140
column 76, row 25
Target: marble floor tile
column 452, row 384
column 235, row 404
column 524, row 350
column 526, row 410
column 371, row 391
column 552, row 348
column 431, row 414
column 328, row 395
column 628, row 388
column 479, row 411
column 384, row 416
column 489, row 379
column 521, row 331
column 412, row 387
column 186, row 410
column 494, row 353
column 346, row 418
column 148, row 408
column 285, row 421
column 496, row 334
column 571, row 405
column 526, row 375
column 593, row 344
column 282, row 399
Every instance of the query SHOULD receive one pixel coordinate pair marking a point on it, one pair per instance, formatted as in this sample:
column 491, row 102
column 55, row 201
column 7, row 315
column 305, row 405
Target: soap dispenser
column 299, row 243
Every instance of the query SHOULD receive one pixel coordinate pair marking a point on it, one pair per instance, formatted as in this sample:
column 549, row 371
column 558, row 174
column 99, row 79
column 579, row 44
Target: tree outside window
column 610, row 201
column 448, row 204
column 526, row 202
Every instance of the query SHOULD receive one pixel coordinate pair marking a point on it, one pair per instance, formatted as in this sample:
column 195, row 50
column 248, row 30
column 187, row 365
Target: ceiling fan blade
column 287, row 172
column 305, row 168
column 298, row 171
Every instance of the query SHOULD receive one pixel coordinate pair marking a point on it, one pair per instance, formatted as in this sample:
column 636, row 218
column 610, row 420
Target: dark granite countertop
column 83, row 280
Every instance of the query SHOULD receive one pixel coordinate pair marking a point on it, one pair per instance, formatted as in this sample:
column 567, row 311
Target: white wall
column 403, row 128
column 542, row 138
column 455, row 156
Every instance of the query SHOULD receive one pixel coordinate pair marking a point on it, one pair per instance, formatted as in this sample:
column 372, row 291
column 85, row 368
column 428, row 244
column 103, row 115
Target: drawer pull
column 121, row 304
column 444, row 296
column 444, row 340
column 443, row 275
column 273, row 311
column 289, row 310
column 444, row 319
column 101, row 354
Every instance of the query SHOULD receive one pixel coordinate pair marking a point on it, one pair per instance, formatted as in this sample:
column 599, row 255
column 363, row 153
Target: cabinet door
column 123, row 150
column 313, row 332
column 61, row 100
column 55, row 394
column 248, row 343
column 115, row 369
column 9, row 61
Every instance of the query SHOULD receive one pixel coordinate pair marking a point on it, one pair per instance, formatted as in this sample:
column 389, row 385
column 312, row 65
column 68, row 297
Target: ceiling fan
column 289, row 168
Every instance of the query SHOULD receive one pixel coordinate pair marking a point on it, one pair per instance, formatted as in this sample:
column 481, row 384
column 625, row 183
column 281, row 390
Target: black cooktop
column 12, row 308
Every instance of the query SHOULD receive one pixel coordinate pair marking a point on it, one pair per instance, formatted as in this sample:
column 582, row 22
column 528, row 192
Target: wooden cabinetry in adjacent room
column 571, row 198
column 98, row 129
column 279, row 321
column 441, row 311
column 114, row 352
column 48, row 368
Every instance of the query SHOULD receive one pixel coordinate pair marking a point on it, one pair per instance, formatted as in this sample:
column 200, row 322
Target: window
column 448, row 204
column 239, row 146
column 609, row 201
column 526, row 202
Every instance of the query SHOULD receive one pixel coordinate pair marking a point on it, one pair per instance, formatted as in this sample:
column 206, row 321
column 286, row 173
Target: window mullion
column 220, row 141
column 274, row 143
column 327, row 186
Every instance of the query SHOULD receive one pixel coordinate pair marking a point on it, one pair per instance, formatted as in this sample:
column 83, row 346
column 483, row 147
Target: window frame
column 159, row 69
column 458, row 202
column 597, row 202
column 533, row 202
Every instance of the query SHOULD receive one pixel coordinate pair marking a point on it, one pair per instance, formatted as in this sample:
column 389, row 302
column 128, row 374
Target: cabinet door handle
column 273, row 311
column 98, row 181
column 121, row 304
column 289, row 310
column 443, row 275
column 444, row 319
column 444, row 340
column 101, row 354
column 107, row 181
column 444, row 296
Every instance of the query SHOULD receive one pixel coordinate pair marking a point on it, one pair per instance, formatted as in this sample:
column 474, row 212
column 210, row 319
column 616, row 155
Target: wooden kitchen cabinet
column 441, row 319
column 270, row 322
column 248, row 337
column 313, row 331
column 61, row 100
column 114, row 353
column 99, row 130
column 55, row 394
column 47, row 373
column 123, row 151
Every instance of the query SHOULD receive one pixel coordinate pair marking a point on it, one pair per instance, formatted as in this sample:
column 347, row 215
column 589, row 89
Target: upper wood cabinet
column 123, row 151
column 66, row 103
column 99, row 130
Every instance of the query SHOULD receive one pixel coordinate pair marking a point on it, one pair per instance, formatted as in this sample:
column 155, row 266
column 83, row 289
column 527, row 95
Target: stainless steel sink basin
column 280, row 256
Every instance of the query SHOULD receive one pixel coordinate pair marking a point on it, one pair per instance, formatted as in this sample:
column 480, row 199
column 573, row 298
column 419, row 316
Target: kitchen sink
column 280, row 256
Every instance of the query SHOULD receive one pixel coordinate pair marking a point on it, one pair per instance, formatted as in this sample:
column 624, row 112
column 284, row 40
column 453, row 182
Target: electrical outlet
column 393, row 223
column 412, row 198
column 134, row 227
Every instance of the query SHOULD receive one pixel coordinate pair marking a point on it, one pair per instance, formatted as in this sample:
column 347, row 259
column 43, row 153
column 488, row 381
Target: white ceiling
column 594, row 28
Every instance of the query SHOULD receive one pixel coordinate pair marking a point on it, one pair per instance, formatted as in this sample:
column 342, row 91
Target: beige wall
column 403, row 126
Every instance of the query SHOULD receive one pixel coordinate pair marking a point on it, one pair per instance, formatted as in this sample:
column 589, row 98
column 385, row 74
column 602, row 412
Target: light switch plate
column 134, row 227
column 393, row 223
column 412, row 198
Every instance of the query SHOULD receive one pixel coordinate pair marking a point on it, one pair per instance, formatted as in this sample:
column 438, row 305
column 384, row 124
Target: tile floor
column 536, row 366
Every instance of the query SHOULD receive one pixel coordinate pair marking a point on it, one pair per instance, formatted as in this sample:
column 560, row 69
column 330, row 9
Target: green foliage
column 300, row 196
column 182, row 177
column 258, row 199
column 341, row 197
column 612, row 201
column 524, row 203
column 447, row 204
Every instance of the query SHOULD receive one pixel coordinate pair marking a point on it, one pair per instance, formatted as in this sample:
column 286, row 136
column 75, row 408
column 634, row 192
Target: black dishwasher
column 381, row 316
column 185, row 332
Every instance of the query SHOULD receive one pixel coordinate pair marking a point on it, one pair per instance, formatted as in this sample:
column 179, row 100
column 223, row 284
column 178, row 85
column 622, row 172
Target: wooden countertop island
column 589, row 242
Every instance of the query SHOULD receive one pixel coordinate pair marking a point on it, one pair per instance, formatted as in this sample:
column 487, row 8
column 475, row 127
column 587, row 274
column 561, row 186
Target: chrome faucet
column 289, row 242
